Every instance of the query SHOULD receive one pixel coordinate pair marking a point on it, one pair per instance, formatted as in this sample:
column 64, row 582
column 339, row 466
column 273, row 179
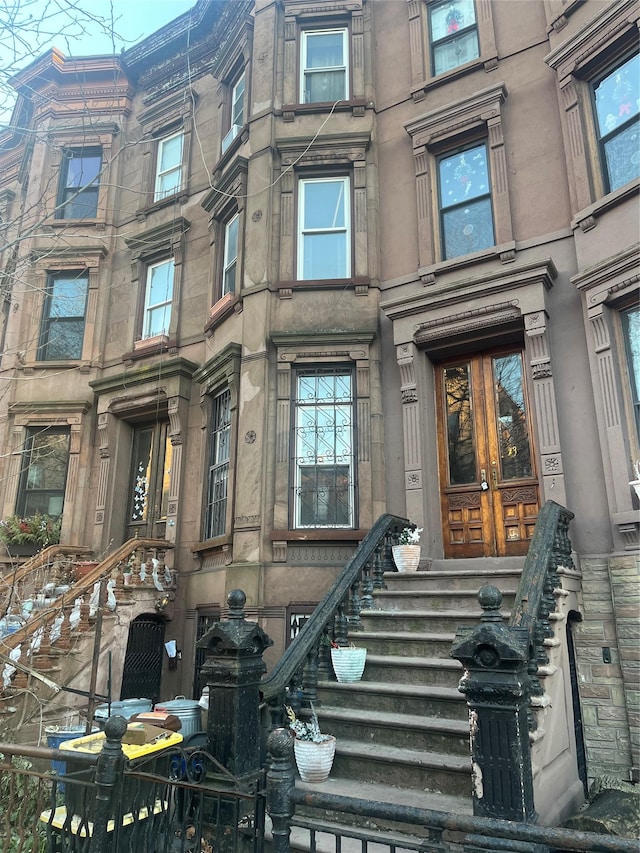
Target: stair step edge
column 418, row 662
column 381, row 718
column 402, row 755
column 386, row 687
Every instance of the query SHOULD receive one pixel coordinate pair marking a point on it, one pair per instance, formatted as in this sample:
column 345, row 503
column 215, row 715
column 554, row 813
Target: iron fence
column 179, row 803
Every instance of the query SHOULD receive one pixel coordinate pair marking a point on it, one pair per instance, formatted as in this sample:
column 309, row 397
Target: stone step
column 412, row 670
column 433, row 621
column 434, row 599
column 402, row 642
column 414, row 768
column 436, row 701
column 464, row 579
column 485, row 565
column 409, row 731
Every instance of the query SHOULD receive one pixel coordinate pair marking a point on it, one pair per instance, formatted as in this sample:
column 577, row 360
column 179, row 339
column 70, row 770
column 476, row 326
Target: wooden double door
column 488, row 483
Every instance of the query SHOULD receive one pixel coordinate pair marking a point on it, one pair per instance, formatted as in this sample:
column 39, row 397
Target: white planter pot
column 348, row 663
column 314, row 760
column 406, row 557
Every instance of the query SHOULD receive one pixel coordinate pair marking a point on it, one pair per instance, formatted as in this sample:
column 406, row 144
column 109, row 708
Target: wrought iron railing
column 179, row 800
column 295, row 677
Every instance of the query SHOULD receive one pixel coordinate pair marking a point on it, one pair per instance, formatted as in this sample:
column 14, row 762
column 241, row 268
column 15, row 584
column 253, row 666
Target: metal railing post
column 109, row 774
column 280, row 783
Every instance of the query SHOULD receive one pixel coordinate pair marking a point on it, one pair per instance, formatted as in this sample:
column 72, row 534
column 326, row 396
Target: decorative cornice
column 457, row 116
column 151, row 373
column 609, row 21
column 155, row 238
column 344, row 148
column 309, row 340
column 225, row 363
column 50, row 407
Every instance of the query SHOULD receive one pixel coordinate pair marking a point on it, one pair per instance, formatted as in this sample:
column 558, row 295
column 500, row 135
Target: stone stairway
column 403, row 731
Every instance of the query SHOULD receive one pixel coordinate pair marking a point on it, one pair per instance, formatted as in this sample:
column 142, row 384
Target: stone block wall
column 624, row 572
column 603, row 698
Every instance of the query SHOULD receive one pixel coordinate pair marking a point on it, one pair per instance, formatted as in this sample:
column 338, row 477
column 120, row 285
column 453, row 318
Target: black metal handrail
column 367, row 565
column 550, row 549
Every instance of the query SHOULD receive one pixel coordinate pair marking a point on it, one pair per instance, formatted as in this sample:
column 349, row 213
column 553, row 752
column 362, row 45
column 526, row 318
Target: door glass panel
column 141, row 475
column 513, row 431
column 166, row 477
column 460, row 430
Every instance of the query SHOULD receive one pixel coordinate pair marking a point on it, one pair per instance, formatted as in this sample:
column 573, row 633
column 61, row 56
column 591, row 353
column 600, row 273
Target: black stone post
column 280, row 782
column 495, row 657
column 109, row 770
column 233, row 671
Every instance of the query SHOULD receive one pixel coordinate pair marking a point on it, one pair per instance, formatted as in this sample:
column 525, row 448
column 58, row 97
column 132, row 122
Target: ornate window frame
column 48, row 262
column 147, row 248
column 220, row 373
column 329, row 157
column 476, row 117
column 227, row 68
column 92, row 137
column 577, row 62
column 295, row 351
column 223, row 203
column 47, row 413
column 169, row 116
column 301, row 17
column 422, row 77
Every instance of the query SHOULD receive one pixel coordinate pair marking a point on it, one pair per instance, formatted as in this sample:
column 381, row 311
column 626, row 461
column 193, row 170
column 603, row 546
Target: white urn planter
column 348, row 662
column 406, row 557
column 314, row 760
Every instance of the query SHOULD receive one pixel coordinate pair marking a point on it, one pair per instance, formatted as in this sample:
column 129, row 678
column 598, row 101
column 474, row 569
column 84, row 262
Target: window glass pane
column 513, row 430
column 463, row 176
column 325, row 256
column 324, row 49
column 158, row 321
column 322, row 86
column 160, row 286
column 231, row 241
column 219, row 466
column 141, row 475
column 468, row 228
column 324, row 204
column 44, row 475
column 237, row 107
column 457, row 51
column 63, row 322
column 168, row 184
column 618, row 96
column 170, row 153
column 82, row 169
column 324, row 449
column 631, row 332
column 450, row 17
column 64, row 340
column 68, row 297
column 82, row 205
column 622, row 155
column 460, row 427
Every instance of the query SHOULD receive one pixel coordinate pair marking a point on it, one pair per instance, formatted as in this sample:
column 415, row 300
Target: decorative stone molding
column 432, row 133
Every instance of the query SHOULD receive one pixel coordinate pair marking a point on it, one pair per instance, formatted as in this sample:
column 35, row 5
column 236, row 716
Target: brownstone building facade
column 285, row 266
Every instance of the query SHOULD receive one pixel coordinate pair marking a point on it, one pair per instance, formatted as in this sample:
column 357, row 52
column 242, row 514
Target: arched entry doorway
column 142, row 671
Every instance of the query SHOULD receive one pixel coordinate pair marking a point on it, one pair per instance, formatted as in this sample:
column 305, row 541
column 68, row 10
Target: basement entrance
column 142, row 672
column 489, row 490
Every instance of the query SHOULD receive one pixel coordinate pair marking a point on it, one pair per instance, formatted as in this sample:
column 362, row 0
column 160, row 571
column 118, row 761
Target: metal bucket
column 125, row 708
column 188, row 711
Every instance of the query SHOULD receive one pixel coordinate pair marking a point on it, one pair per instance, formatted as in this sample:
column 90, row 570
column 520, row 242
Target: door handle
column 494, row 477
column 483, row 480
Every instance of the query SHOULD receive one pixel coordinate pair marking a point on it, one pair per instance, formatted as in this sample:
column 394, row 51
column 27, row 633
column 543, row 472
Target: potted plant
column 314, row 751
column 27, row 535
column 348, row 662
column 406, row 554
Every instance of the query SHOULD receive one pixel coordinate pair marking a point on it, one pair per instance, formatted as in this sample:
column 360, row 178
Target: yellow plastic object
column 93, row 744
column 82, row 828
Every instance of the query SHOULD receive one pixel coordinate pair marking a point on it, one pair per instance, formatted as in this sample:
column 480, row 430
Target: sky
column 28, row 28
